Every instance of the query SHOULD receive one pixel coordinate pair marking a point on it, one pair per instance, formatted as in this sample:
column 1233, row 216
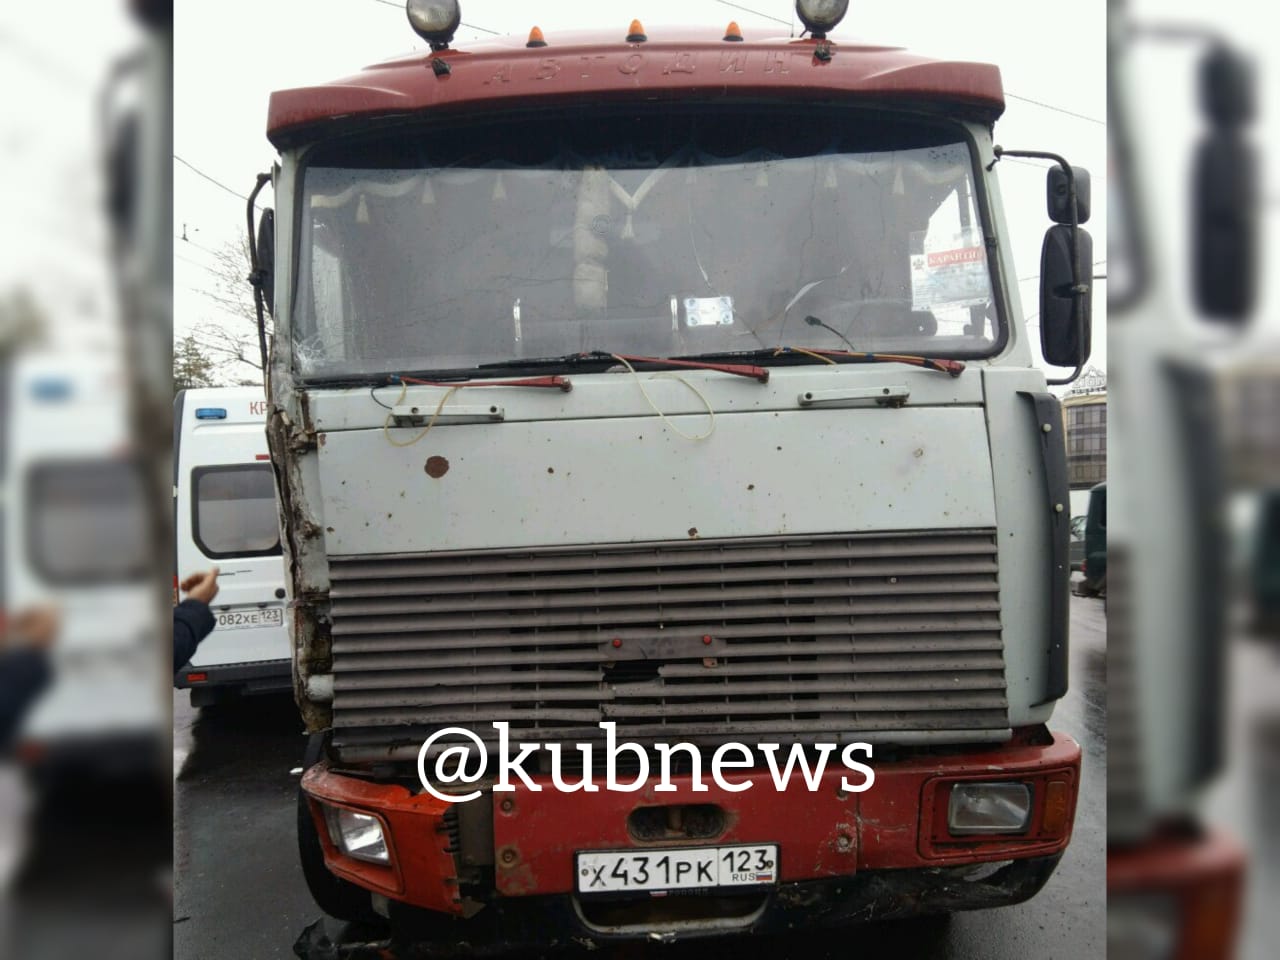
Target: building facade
column 1084, row 412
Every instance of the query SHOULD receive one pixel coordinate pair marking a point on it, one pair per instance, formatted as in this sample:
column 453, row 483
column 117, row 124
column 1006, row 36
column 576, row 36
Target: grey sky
column 53, row 241
column 231, row 55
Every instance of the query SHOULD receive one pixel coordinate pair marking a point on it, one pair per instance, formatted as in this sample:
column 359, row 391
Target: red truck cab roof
column 677, row 63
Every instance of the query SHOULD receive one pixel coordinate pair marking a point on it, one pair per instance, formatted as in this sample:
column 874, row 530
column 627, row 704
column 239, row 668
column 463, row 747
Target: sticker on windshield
column 951, row 271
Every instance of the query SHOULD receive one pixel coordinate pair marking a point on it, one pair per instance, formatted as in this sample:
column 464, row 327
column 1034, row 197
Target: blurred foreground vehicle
column 225, row 513
column 1175, row 883
column 75, row 540
column 492, row 270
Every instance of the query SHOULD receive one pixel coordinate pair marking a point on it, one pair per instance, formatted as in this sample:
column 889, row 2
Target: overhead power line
column 214, row 180
column 1050, row 106
column 766, row 16
column 196, row 263
column 469, row 26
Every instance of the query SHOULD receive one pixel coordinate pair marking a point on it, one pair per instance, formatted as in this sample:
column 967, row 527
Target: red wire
column 737, row 369
column 558, row 382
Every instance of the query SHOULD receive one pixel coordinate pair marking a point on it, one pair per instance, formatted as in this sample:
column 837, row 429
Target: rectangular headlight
column 358, row 835
column 989, row 808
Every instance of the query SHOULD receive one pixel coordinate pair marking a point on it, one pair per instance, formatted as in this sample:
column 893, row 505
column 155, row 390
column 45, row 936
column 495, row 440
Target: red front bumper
column 900, row 822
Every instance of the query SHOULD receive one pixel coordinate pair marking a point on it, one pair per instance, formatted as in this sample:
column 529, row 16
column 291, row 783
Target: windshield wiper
column 951, row 367
column 600, row 357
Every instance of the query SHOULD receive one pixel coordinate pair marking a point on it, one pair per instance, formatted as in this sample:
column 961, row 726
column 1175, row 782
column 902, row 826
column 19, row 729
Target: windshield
column 659, row 233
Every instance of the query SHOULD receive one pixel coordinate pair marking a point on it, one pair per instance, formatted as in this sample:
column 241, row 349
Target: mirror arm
column 1080, row 287
column 255, row 274
column 1075, row 375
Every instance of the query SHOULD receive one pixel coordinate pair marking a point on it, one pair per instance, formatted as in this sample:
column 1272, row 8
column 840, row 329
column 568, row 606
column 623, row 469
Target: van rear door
column 226, row 516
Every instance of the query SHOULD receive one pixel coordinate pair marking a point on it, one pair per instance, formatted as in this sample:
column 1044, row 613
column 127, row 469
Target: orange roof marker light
column 536, row 39
column 637, row 33
column 733, row 32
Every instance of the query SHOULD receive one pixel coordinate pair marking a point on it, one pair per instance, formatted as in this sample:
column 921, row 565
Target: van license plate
column 621, row 871
column 244, row 619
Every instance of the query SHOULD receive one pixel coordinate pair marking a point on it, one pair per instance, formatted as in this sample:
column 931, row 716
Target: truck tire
column 335, row 896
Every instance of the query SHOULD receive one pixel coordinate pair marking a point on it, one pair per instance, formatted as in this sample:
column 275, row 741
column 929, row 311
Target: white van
column 225, row 516
column 75, row 538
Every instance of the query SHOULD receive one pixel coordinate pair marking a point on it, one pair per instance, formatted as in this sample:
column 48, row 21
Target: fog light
column 819, row 16
column 435, row 21
column 989, row 808
column 358, row 835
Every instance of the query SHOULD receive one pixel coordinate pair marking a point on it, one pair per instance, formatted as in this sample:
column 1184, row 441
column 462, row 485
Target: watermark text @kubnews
column 457, row 764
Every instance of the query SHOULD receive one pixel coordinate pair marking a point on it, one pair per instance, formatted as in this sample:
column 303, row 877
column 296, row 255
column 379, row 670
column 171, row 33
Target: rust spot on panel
column 322, row 438
column 437, row 467
column 518, row 880
column 551, row 469
column 693, row 533
column 751, row 486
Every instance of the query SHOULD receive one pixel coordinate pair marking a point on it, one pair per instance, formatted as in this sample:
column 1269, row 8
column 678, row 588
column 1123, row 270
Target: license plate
column 244, row 619
column 689, row 868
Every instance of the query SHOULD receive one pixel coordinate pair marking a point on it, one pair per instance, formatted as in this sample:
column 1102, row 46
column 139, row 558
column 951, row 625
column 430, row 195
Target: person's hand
column 35, row 627
column 201, row 586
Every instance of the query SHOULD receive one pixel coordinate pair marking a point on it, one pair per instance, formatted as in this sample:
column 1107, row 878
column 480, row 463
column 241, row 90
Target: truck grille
column 894, row 638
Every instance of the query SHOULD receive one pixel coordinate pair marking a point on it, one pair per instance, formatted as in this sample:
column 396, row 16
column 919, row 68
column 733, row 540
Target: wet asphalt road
column 239, row 893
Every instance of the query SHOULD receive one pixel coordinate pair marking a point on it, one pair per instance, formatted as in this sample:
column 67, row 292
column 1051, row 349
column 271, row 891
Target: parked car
column 1264, row 574
column 1076, row 557
column 1095, row 545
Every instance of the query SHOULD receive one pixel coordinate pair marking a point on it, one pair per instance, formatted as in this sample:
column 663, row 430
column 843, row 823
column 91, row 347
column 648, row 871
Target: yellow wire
column 665, row 419
column 386, row 424
column 807, row 353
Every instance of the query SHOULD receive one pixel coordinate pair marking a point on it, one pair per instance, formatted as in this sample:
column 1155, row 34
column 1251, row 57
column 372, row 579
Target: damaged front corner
column 296, row 472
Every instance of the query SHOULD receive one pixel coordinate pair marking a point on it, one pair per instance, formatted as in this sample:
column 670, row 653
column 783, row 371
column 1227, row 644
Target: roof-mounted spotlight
column 435, row 21
column 821, row 16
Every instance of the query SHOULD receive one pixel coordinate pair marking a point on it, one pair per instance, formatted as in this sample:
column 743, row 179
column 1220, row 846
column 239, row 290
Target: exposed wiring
column 711, row 413
column 404, row 388
column 952, row 367
column 752, row 371
column 816, row 322
column 556, row 382
column 807, row 353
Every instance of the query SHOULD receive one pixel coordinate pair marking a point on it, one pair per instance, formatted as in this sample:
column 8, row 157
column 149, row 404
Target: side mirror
column 1059, row 195
column 1225, row 228
column 1225, row 192
column 1066, row 317
column 265, row 249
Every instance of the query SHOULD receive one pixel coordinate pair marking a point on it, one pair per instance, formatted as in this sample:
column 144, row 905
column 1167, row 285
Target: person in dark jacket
column 192, row 618
column 25, row 670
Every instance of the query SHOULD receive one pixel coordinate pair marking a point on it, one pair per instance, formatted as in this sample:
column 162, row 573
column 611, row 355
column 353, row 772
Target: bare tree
column 232, row 345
